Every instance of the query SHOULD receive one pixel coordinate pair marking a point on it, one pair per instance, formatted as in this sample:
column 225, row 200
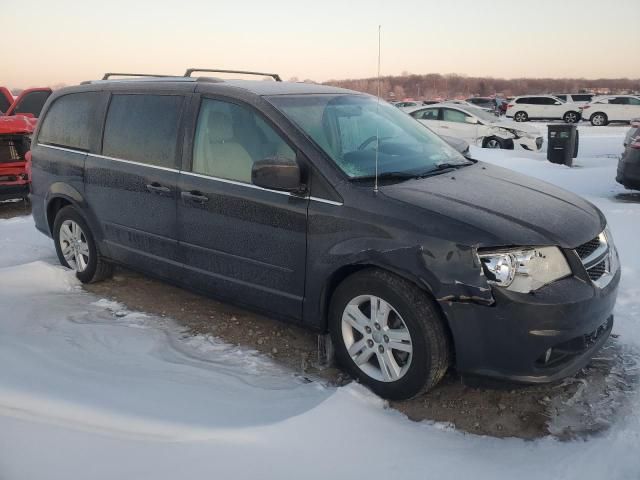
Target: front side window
column 68, row 121
column 428, row 114
column 230, row 138
column 619, row 101
column 450, row 115
column 525, row 101
column 634, row 101
column 548, row 101
column 349, row 128
column 143, row 128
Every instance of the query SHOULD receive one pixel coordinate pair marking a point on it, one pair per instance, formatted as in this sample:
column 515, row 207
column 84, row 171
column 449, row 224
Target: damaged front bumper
column 533, row 338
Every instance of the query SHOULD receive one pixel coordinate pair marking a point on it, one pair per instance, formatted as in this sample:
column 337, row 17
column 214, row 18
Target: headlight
column 524, row 270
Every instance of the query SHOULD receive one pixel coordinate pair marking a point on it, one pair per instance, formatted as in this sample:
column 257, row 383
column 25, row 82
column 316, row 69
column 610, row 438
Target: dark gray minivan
column 327, row 208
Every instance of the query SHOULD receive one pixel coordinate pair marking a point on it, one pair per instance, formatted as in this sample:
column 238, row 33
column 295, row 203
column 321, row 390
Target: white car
column 477, row 127
column 542, row 107
column 612, row 108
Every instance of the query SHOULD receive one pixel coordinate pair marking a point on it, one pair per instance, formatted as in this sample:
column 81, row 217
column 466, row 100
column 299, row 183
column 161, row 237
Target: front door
column 238, row 241
column 132, row 185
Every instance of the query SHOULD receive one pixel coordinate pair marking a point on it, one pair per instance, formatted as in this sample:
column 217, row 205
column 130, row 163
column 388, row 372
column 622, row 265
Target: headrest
column 220, row 127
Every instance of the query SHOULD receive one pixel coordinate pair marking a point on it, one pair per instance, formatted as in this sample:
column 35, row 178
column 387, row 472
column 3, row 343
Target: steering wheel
column 366, row 143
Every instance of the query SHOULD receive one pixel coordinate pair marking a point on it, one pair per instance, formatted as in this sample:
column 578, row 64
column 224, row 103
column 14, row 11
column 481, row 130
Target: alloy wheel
column 74, row 245
column 377, row 338
column 571, row 117
column 598, row 120
column 520, row 117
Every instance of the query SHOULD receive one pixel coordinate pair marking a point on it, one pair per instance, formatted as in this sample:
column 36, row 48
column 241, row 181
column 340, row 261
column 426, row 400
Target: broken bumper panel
column 533, row 338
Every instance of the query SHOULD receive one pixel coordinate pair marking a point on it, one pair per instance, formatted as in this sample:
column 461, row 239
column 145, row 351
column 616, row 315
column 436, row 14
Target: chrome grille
column 588, row 248
column 599, row 259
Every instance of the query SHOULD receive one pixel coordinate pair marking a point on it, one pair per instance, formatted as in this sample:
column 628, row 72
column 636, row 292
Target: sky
column 67, row 41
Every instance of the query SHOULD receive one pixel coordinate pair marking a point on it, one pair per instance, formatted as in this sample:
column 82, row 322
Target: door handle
column 194, row 196
column 157, row 188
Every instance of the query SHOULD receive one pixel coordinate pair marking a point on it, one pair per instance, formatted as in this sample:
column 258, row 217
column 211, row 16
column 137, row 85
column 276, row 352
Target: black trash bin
column 562, row 143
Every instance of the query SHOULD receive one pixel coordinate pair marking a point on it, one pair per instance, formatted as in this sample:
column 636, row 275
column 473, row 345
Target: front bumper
column 531, row 144
column 628, row 173
column 12, row 191
column 510, row 339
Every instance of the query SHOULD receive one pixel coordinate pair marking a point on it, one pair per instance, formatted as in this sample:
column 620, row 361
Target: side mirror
column 276, row 173
column 471, row 120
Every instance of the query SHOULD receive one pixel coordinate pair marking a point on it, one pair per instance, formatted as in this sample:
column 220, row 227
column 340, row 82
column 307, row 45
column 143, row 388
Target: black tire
column 97, row 268
column 599, row 119
column 521, row 116
column 494, row 142
column 571, row 117
column 430, row 342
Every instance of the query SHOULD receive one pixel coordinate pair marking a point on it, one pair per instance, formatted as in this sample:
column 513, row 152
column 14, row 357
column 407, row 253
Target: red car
column 18, row 119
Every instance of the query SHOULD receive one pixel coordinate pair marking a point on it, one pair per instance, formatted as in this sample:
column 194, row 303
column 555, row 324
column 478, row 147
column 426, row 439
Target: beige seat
column 217, row 154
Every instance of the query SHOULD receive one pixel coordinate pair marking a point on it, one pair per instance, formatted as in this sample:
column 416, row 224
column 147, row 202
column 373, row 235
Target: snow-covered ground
column 90, row 390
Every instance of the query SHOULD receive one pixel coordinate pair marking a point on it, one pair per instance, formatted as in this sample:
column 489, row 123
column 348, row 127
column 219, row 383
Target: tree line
column 434, row 85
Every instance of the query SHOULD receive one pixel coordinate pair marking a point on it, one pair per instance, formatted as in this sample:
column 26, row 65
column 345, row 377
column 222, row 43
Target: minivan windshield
column 349, row 128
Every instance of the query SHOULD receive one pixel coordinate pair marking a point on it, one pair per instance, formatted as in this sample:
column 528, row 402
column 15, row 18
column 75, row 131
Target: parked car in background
column 542, row 107
column 477, row 127
column 465, row 103
column 632, row 132
column 262, row 194
column 577, row 98
column 486, row 103
column 611, row 108
column 628, row 173
column 16, row 126
column 407, row 104
column 6, row 99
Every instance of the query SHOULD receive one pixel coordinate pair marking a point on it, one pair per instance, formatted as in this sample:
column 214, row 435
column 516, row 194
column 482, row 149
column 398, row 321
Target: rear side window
column 143, row 128
column 581, row 98
column 32, row 103
column 546, row 101
column 450, row 115
column 68, row 121
column 563, row 97
column 525, row 100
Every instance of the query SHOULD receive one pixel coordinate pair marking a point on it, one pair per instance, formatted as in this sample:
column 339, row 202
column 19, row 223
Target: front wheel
column 388, row 334
column 493, row 142
column 76, row 247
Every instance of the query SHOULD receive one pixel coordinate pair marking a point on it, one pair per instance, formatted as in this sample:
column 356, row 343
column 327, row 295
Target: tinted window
column 619, row 101
column 563, row 97
column 143, row 128
column 526, row 101
column 428, row 114
column 68, row 121
column 230, row 138
column 546, row 101
column 32, row 103
column 449, row 115
column 582, row 98
column 634, row 101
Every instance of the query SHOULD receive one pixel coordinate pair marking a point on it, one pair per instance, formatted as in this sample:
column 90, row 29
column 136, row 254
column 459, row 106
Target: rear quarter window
column 143, row 128
column 68, row 121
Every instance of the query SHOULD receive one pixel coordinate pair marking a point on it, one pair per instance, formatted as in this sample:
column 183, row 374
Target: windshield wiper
column 389, row 176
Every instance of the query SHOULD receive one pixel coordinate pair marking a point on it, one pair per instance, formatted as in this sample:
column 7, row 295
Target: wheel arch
column 345, row 271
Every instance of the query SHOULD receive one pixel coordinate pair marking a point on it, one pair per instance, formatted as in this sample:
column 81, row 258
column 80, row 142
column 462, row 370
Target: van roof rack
column 275, row 76
column 116, row 74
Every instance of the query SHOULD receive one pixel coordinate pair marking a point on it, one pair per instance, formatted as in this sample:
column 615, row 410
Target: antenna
column 375, row 185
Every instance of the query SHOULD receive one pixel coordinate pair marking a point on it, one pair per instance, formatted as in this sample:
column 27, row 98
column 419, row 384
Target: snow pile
column 89, row 389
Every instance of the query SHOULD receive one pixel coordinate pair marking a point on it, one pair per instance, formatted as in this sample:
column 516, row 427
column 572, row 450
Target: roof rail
column 114, row 74
column 275, row 76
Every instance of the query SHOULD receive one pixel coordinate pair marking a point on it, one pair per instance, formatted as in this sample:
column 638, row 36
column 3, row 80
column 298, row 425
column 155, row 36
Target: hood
column 502, row 207
column 519, row 126
column 17, row 124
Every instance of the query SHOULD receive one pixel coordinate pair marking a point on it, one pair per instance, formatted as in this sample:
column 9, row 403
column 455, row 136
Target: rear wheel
column 388, row 334
column 521, row 117
column 571, row 117
column 76, row 247
column 599, row 119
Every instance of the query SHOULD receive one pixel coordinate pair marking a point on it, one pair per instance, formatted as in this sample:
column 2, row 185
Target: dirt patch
column 562, row 409
column 14, row 208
